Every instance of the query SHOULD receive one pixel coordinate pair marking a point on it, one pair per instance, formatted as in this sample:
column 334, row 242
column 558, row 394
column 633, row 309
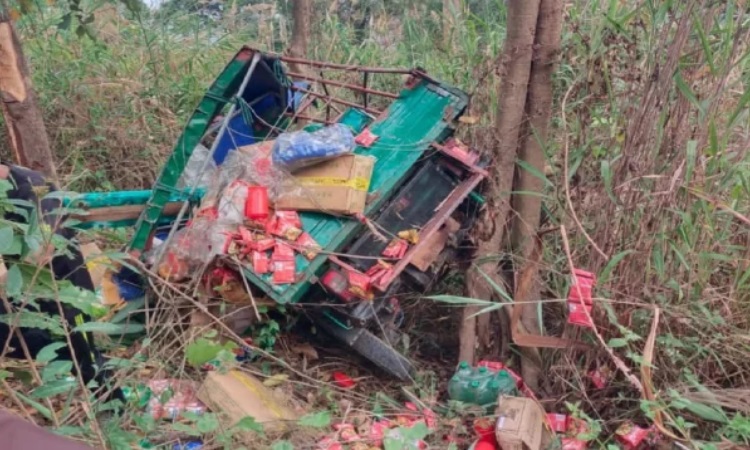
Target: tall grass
column 661, row 190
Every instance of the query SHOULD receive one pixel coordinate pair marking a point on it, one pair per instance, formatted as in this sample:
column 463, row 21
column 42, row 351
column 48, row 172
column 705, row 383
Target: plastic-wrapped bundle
column 299, row 149
column 224, row 207
column 253, row 165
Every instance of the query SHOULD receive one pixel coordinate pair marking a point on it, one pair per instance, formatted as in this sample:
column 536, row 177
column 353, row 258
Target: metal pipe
column 312, row 119
column 339, row 101
column 353, row 87
column 347, row 67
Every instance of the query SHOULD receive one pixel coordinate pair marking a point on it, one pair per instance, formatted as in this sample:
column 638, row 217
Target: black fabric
column 29, row 186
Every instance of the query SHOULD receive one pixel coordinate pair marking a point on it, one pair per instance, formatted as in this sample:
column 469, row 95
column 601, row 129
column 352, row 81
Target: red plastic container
column 256, row 205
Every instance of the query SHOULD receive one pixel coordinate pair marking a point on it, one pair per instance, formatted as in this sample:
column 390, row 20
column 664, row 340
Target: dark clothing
column 69, row 265
column 17, row 434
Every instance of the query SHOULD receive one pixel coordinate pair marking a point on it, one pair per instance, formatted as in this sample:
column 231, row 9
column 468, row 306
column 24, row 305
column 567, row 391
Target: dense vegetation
column 647, row 165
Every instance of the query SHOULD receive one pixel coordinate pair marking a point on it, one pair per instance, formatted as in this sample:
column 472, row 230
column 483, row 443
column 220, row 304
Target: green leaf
column 403, row 438
column 110, row 328
column 70, row 430
column 493, row 307
column 188, row 429
column 605, row 273
column 739, row 109
column 6, row 239
column 708, row 54
column 114, row 363
column 130, row 308
column 617, row 343
column 282, row 445
column 207, row 423
column 498, row 289
column 53, row 388
column 687, row 92
column 81, row 299
column 320, row 419
column 533, row 171
column 692, row 147
column 701, row 410
column 43, row 410
column 249, row 424
column 56, row 370
column 31, row 319
column 461, row 301
column 14, row 281
column 203, row 350
column 49, row 352
column 605, row 167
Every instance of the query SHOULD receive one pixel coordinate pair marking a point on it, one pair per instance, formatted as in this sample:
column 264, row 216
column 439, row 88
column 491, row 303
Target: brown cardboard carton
column 238, row 394
column 520, row 425
column 336, row 186
column 96, row 262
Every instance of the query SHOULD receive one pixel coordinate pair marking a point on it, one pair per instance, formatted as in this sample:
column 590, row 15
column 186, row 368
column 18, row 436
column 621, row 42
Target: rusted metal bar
column 449, row 205
column 365, row 77
column 312, row 119
column 305, row 105
column 346, row 67
column 353, row 87
column 330, row 106
column 339, row 101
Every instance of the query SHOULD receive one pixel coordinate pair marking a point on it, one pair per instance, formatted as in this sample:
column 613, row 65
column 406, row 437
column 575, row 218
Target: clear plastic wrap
column 299, row 149
column 253, row 165
column 200, row 169
column 226, row 207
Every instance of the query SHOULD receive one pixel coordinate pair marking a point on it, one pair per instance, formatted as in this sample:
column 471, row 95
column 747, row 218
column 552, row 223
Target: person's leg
column 69, row 265
column 18, row 434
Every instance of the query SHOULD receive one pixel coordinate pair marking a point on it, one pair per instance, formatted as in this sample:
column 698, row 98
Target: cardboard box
column 520, row 425
column 96, row 262
column 238, row 394
column 338, row 186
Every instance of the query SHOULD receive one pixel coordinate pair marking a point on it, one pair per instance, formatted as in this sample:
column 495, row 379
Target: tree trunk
column 27, row 134
column 517, row 55
column 301, row 15
column 528, row 207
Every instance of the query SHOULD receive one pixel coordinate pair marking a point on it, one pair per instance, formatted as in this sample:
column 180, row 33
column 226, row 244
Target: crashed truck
column 345, row 237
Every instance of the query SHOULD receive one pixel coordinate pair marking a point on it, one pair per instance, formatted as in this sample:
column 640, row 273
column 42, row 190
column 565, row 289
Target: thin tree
column 516, row 65
column 302, row 18
column 527, row 203
column 27, row 134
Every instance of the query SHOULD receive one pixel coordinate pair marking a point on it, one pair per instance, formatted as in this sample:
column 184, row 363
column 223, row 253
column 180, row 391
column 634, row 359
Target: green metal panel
column 218, row 96
column 419, row 117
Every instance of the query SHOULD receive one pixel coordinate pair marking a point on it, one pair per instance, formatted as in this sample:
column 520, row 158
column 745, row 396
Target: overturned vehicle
column 332, row 189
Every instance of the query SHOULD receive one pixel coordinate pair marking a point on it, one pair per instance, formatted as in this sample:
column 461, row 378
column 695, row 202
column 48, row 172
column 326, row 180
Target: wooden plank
column 428, row 253
column 117, row 213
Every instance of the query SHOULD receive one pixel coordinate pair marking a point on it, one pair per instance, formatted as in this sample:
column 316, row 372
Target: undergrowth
column 647, row 171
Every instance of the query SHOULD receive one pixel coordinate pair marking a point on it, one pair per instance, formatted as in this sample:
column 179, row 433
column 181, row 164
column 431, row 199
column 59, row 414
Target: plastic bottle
column 256, row 205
